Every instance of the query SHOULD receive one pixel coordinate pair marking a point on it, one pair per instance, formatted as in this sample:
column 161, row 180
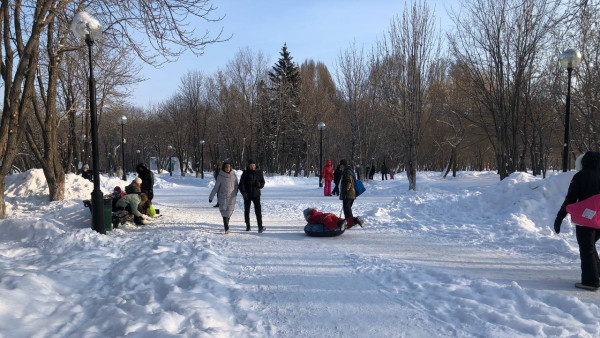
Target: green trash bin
column 107, row 208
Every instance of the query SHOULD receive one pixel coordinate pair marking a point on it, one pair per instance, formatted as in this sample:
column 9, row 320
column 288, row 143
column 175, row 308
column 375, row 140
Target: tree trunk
column 450, row 161
column 454, row 162
column 411, row 167
column 56, row 184
column 2, row 202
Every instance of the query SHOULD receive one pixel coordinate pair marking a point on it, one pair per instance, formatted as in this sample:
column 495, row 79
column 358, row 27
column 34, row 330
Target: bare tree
column 499, row 42
column 352, row 74
column 408, row 63
column 162, row 21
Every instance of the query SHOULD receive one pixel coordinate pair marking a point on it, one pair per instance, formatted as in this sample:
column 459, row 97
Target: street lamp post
column 123, row 122
column 87, row 27
column 84, row 158
column 321, row 126
column 202, row 159
column 170, row 156
column 569, row 59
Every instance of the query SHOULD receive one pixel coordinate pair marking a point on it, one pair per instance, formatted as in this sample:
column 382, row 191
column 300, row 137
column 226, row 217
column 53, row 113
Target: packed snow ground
column 469, row 256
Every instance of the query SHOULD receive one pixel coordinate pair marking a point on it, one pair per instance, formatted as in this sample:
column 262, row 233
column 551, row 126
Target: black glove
column 557, row 223
column 245, row 196
column 209, row 200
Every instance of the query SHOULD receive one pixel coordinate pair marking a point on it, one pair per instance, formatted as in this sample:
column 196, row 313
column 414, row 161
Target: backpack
column 359, row 187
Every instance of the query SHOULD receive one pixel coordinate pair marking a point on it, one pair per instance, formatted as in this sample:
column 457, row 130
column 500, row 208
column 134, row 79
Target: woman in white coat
column 226, row 189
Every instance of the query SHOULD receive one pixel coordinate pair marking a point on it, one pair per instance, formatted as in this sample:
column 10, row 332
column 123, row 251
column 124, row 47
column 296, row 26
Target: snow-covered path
column 448, row 260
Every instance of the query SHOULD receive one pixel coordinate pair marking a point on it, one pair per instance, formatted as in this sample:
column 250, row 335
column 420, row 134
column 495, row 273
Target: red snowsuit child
column 329, row 220
column 327, row 176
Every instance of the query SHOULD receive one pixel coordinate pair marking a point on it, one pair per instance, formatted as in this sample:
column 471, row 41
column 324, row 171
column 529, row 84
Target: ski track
column 402, row 276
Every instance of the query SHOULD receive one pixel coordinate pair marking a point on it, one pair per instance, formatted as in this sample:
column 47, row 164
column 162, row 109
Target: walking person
column 348, row 194
column 251, row 182
column 372, row 171
column 337, row 176
column 147, row 176
column 327, row 177
column 384, row 171
column 585, row 184
column 226, row 189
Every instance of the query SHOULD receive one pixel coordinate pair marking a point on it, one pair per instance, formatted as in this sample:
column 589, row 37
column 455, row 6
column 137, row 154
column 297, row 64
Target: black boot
column 226, row 224
column 247, row 226
column 261, row 229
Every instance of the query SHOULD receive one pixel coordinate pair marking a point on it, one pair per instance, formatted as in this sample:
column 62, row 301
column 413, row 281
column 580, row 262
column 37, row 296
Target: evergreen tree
column 286, row 127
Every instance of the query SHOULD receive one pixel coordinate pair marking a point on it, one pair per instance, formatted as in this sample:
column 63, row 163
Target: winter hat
column 251, row 162
column 138, row 180
column 307, row 213
column 344, row 163
column 86, row 167
column 117, row 189
column 591, row 160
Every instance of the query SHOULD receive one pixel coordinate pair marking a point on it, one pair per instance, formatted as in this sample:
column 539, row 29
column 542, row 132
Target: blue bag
column 359, row 187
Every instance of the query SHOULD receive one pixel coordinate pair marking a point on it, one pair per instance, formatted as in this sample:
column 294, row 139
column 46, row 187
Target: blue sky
column 312, row 29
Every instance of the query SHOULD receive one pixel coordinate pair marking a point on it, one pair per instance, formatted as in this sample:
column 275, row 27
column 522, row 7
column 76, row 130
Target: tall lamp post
column 321, row 126
column 123, row 122
column 170, row 156
column 87, row 27
column 202, row 159
column 569, row 59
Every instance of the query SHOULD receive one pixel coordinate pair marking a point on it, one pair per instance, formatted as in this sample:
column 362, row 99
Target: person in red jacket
column 329, row 220
column 327, row 176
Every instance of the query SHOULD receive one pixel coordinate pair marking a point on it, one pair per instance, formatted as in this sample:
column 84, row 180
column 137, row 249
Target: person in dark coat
column 372, row 171
column 348, row 194
column 585, row 184
column 87, row 173
column 147, row 176
column 251, row 182
column 384, row 171
column 337, row 176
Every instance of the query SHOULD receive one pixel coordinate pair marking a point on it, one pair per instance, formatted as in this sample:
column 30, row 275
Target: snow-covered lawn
column 469, row 256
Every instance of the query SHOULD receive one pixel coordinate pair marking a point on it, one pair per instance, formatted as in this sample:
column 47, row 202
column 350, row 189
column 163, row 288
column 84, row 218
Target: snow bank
column 464, row 256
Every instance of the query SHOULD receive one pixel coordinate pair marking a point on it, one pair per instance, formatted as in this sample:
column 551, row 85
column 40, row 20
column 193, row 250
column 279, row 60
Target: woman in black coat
column 251, row 182
column 585, row 184
column 147, row 177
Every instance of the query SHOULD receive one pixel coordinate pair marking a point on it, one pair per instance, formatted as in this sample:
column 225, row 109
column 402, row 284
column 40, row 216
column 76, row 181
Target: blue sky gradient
column 312, row 29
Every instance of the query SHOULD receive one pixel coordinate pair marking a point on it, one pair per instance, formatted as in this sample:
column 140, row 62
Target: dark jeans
column 257, row 210
column 336, row 190
column 590, row 263
column 383, row 176
column 347, row 205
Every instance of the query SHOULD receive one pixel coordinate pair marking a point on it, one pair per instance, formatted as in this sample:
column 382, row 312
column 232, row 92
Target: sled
column 585, row 212
column 319, row 230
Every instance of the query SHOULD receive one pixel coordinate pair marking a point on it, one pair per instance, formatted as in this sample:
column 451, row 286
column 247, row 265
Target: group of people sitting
column 136, row 200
